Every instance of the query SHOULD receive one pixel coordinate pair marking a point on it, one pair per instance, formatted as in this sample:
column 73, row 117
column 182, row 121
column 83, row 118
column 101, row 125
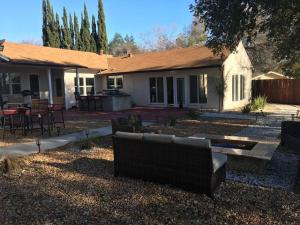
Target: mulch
column 63, row 187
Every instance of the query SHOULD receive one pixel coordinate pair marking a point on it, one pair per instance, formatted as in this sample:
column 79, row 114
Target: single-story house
column 271, row 75
column 183, row 76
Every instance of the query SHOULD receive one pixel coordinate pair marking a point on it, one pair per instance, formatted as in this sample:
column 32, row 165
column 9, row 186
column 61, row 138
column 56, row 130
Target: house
column 271, row 75
column 183, row 76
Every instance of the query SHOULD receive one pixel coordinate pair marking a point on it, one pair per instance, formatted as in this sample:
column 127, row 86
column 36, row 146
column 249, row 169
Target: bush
column 193, row 114
column 86, row 144
column 259, row 103
column 247, row 109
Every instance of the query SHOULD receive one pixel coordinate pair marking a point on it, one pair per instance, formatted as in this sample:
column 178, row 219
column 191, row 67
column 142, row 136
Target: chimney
column 1, row 45
column 101, row 52
column 129, row 54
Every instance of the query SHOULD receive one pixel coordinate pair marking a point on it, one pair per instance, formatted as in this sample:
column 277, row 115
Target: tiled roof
column 180, row 58
column 39, row 55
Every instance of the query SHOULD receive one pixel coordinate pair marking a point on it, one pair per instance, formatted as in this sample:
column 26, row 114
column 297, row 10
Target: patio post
column 77, row 81
column 50, row 92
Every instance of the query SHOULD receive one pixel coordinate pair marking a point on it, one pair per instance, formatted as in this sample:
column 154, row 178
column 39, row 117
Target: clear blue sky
column 22, row 20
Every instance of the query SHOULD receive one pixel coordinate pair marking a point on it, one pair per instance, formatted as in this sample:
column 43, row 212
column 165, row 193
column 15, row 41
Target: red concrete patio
column 147, row 114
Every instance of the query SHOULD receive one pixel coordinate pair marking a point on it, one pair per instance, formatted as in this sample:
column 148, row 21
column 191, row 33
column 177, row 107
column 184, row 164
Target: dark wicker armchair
column 182, row 162
column 290, row 134
column 131, row 124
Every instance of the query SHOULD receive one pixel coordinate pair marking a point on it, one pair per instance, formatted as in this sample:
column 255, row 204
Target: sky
column 22, row 20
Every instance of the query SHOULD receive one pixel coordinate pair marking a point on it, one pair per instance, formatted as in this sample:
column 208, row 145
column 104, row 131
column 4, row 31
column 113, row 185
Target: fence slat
column 285, row 91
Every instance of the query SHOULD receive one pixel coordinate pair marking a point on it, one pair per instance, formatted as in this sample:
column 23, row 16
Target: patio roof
column 25, row 54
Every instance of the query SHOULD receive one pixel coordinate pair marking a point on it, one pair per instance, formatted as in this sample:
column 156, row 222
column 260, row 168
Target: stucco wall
column 237, row 63
column 137, row 85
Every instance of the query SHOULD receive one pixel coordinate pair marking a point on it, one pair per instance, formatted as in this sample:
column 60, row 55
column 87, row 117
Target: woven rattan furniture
column 182, row 162
column 290, row 134
column 131, row 124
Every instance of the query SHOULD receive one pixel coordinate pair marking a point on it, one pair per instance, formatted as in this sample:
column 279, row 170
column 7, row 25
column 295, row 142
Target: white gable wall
column 237, row 63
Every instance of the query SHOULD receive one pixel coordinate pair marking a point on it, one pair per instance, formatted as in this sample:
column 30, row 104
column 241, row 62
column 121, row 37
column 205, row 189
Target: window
column 81, row 85
column 10, row 83
column 238, row 87
column 89, row 85
column 156, row 90
column 114, row 82
column 198, row 88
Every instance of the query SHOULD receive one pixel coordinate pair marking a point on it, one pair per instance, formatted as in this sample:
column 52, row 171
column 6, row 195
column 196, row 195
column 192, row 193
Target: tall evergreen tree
column 102, row 43
column 72, row 33
column 45, row 24
column 65, row 32
column 76, row 33
column 50, row 25
column 57, row 33
column 94, row 35
column 85, row 31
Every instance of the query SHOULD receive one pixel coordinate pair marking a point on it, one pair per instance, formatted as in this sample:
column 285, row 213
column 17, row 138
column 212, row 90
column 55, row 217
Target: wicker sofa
column 290, row 134
column 131, row 124
column 182, row 162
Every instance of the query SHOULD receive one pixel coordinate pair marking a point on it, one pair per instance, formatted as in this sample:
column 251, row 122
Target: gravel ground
column 281, row 173
column 64, row 187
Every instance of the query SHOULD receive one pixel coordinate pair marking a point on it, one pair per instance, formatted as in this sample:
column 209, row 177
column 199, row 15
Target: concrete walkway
column 56, row 142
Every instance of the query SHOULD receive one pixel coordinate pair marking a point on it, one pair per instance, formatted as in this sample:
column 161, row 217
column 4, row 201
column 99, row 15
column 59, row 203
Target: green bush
column 193, row 114
column 259, row 103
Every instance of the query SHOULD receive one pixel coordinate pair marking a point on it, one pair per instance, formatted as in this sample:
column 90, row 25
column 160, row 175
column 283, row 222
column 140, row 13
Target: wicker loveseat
column 290, row 134
column 182, row 162
column 130, row 124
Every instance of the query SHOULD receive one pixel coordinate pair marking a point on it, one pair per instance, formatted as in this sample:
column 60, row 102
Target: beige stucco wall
column 137, row 85
column 237, row 63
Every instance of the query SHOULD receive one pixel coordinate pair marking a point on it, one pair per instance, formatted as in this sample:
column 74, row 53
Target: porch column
column 50, row 92
column 77, row 81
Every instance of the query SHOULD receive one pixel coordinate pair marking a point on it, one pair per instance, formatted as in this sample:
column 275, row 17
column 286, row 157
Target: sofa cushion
column 131, row 136
column 219, row 160
column 159, row 138
column 195, row 142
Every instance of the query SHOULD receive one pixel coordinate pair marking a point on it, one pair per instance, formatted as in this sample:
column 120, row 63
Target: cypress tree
column 65, row 32
column 57, row 33
column 81, row 46
column 94, row 35
column 102, row 35
column 45, row 24
column 76, row 33
column 85, row 31
column 72, row 33
column 50, row 25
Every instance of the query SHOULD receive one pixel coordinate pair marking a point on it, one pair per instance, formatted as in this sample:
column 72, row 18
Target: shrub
column 193, row 114
column 86, row 144
column 247, row 109
column 259, row 103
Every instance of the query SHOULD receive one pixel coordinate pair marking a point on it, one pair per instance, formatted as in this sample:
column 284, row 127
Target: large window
column 198, row 88
column 86, row 86
column 114, row 82
column 238, row 87
column 156, row 90
column 10, row 83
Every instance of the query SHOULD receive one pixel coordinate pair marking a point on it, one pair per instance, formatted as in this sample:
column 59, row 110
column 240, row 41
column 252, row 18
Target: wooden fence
column 285, row 91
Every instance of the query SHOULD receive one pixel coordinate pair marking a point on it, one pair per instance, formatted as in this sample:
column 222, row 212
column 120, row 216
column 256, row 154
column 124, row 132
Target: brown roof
column 39, row 55
column 179, row 58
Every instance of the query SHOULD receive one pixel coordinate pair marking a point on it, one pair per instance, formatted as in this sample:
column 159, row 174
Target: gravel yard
column 73, row 187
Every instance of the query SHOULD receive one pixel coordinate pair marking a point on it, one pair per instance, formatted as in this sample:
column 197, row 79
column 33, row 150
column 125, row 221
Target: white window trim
column 10, row 84
column 115, row 85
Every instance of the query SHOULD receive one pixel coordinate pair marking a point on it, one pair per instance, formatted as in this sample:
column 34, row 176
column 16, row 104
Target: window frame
column 10, row 83
column 238, row 87
column 114, row 79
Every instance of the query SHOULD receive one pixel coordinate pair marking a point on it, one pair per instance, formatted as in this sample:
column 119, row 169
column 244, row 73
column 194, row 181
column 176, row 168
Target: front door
column 35, row 86
column 58, row 87
column 180, row 92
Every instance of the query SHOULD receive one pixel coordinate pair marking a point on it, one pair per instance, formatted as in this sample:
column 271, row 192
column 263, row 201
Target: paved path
column 56, row 142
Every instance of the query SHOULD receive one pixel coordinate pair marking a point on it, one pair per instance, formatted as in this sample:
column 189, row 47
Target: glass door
column 170, row 90
column 35, row 86
column 180, row 92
